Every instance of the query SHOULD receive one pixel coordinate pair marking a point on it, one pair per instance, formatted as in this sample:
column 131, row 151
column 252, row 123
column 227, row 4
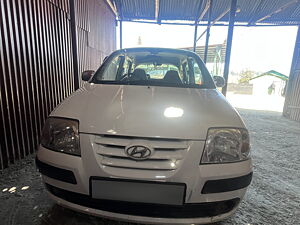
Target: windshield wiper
column 111, row 82
column 163, row 83
column 150, row 83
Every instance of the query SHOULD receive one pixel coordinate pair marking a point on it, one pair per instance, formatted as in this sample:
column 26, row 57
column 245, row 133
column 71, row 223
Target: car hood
column 142, row 111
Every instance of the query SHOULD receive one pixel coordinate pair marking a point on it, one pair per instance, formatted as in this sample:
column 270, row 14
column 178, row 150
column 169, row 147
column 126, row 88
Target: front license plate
column 138, row 191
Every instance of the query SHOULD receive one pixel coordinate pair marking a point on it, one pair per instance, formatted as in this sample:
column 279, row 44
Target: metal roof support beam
column 229, row 43
column 197, row 19
column 74, row 43
column 207, row 6
column 157, row 11
column 277, row 11
column 195, row 37
column 208, row 32
column 112, row 7
column 216, row 20
column 121, row 34
column 120, row 15
column 205, row 24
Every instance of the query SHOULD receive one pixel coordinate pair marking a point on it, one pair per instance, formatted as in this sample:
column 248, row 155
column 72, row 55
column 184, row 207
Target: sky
column 254, row 48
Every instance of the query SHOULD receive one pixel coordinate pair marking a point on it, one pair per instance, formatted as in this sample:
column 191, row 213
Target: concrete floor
column 256, row 102
column 273, row 197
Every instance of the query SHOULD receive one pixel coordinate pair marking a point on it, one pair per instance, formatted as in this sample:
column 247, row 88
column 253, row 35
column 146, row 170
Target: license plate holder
column 138, row 191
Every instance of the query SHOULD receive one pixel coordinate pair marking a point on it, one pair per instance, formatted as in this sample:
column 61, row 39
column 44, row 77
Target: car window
column 157, row 71
column 193, row 71
column 112, row 69
column 163, row 68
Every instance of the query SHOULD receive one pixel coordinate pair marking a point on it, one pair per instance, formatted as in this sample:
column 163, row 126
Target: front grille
column 168, row 153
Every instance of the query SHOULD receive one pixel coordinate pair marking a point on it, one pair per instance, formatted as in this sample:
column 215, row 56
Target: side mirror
column 219, row 81
column 86, row 75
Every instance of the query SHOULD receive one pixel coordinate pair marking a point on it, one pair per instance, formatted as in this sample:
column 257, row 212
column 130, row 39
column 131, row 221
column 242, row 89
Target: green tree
column 245, row 76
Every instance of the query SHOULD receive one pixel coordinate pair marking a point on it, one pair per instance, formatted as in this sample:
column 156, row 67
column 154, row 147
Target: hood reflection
column 173, row 112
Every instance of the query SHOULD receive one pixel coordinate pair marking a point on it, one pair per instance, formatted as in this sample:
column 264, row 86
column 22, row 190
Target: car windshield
column 154, row 68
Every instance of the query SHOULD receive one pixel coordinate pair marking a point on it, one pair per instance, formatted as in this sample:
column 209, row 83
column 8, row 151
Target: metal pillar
column 74, row 44
column 208, row 32
column 121, row 35
column 290, row 93
column 197, row 19
column 195, row 36
column 229, row 43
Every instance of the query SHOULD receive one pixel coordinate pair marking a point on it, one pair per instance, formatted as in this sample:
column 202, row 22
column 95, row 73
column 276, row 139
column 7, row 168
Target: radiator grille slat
column 175, row 154
column 147, row 164
column 155, row 143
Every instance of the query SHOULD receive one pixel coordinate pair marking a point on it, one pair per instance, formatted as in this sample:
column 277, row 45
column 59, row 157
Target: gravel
column 273, row 197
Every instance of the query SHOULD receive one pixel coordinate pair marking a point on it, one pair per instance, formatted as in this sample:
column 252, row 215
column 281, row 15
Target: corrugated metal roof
column 250, row 10
column 179, row 9
column 136, row 9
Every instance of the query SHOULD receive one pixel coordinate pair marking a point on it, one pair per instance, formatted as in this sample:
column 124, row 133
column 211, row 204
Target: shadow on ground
column 273, row 197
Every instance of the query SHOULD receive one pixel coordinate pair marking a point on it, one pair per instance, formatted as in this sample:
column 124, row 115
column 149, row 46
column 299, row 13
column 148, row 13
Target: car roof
column 156, row 50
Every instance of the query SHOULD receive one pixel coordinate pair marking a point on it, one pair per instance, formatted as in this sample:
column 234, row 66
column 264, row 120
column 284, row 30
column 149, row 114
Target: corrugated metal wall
column 36, row 66
column 292, row 101
column 96, row 33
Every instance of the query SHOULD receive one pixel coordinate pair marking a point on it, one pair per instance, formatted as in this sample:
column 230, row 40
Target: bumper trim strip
column 224, row 185
column 55, row 173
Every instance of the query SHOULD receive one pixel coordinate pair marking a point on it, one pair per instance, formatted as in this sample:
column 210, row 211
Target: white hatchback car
column 148, row 138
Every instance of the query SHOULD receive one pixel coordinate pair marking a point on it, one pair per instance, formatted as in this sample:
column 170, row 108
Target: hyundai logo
column 138, row 152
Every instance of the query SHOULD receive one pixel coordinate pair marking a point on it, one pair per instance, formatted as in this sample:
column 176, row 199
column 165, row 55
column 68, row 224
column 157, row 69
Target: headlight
column 226, row 145
column 61, row 135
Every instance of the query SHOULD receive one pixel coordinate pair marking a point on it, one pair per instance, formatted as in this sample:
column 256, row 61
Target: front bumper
column 145, row 213
column 206, row 199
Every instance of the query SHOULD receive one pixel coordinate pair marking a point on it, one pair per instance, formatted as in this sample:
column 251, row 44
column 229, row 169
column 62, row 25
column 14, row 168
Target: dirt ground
column 273, row 197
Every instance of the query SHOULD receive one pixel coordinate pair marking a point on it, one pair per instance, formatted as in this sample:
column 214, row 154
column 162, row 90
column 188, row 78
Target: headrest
column 139, row 74
column 172, row 77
